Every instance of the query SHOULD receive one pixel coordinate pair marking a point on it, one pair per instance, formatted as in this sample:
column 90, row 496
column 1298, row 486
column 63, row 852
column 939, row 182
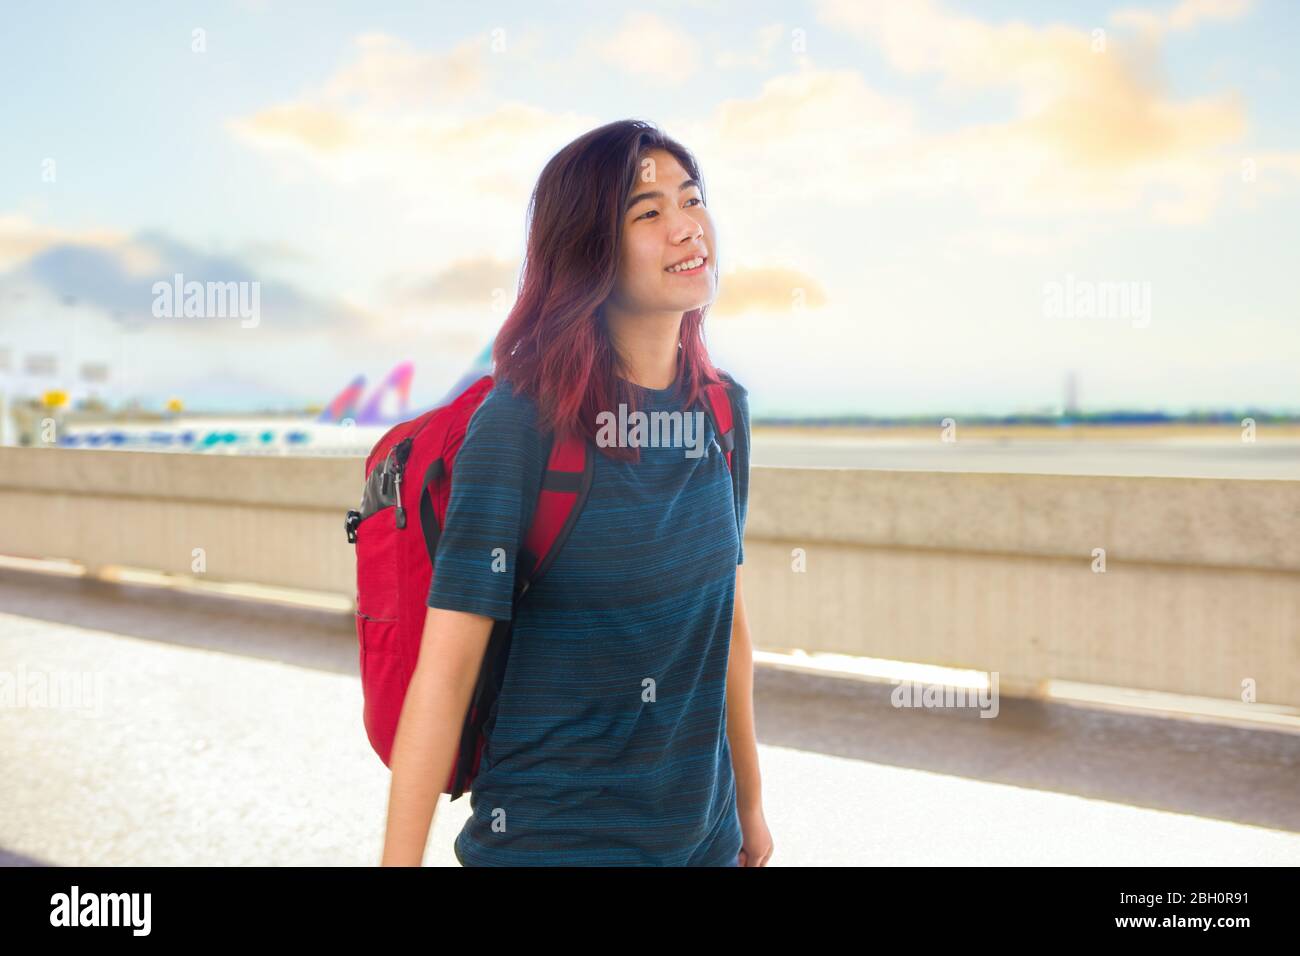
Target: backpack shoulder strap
column 718, row 403
column 567, row 483
column 565, row 486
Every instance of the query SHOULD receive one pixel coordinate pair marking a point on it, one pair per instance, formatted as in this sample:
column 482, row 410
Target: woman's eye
column 656, row 211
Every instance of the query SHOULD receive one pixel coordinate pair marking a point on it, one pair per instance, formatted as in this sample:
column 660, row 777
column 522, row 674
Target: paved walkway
column 229, row 733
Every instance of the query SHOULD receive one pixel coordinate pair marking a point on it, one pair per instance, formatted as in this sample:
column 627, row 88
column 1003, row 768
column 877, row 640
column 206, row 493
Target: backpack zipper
column 401, row 452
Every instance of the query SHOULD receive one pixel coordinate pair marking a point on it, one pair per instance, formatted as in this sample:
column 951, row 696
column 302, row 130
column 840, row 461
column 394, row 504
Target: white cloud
column 1091, row 130
column 21, row 239
column 1184, row 16
column 759, row 55
column 387, row 72
column 650, row 49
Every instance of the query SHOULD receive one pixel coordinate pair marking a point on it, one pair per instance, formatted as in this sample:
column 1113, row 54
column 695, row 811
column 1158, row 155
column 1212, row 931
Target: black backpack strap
column 428, row 518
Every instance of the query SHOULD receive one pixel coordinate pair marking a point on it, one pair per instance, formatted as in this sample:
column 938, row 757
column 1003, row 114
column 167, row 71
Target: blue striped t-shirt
column 608, row 744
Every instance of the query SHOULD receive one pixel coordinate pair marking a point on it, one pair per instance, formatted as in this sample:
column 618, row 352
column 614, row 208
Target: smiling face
column 665, row 223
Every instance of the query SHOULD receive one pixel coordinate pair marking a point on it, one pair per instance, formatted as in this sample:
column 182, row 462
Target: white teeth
column 688, row 264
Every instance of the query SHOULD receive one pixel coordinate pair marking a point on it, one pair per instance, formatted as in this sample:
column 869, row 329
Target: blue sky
column 922, row 173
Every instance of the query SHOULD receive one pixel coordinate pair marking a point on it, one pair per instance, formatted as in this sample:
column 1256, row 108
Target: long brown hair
column 555, row 344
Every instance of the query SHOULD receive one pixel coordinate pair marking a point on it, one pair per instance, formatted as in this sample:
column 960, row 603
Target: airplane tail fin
column 344, row 404
column 398, row 382
column 482, row 365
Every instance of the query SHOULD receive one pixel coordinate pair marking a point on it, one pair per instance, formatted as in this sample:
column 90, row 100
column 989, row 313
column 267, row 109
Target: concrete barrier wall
column 1200, row 592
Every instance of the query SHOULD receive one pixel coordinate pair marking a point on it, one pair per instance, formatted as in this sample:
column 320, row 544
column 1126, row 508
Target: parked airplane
column 482, row 365
column 375, row 411
column 397, row 383
column 344, row 404
column 371, row 418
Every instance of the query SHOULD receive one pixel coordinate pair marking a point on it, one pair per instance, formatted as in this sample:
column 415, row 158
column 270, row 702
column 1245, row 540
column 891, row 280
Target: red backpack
column 409, row 474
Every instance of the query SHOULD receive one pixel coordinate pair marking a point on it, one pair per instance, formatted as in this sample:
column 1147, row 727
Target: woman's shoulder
column 739, row 395
column 732, row 384
column 504, row 404
column 506, row 422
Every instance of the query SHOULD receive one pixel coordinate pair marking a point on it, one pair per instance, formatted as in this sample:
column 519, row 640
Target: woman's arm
column 756, row 848
column 741, row 736
column 429, row 728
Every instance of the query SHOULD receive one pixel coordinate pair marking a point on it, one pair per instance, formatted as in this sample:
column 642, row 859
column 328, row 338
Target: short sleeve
column 740, row 464
column 496, row 478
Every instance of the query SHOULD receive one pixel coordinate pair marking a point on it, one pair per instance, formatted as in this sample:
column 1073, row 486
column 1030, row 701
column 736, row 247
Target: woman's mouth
column 691, row 267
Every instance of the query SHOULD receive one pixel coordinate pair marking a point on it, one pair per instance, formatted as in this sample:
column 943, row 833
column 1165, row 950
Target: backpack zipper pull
column 386, row 478
column 401, row 512
column 401, row 451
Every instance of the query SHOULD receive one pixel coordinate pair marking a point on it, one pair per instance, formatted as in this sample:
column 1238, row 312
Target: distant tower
column 1071, row 393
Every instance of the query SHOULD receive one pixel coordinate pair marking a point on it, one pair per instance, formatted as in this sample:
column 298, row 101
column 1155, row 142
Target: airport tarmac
column 1159, row 451
column 1164, row 457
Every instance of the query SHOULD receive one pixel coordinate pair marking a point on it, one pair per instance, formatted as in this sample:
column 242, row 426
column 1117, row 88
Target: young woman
column 624, row 731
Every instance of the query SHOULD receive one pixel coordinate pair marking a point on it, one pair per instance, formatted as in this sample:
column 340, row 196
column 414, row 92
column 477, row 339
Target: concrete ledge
column 1200, row 594
column 1235, row 522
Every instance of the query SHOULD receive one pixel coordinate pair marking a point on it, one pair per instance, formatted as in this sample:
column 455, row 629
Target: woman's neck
column 648, row 346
